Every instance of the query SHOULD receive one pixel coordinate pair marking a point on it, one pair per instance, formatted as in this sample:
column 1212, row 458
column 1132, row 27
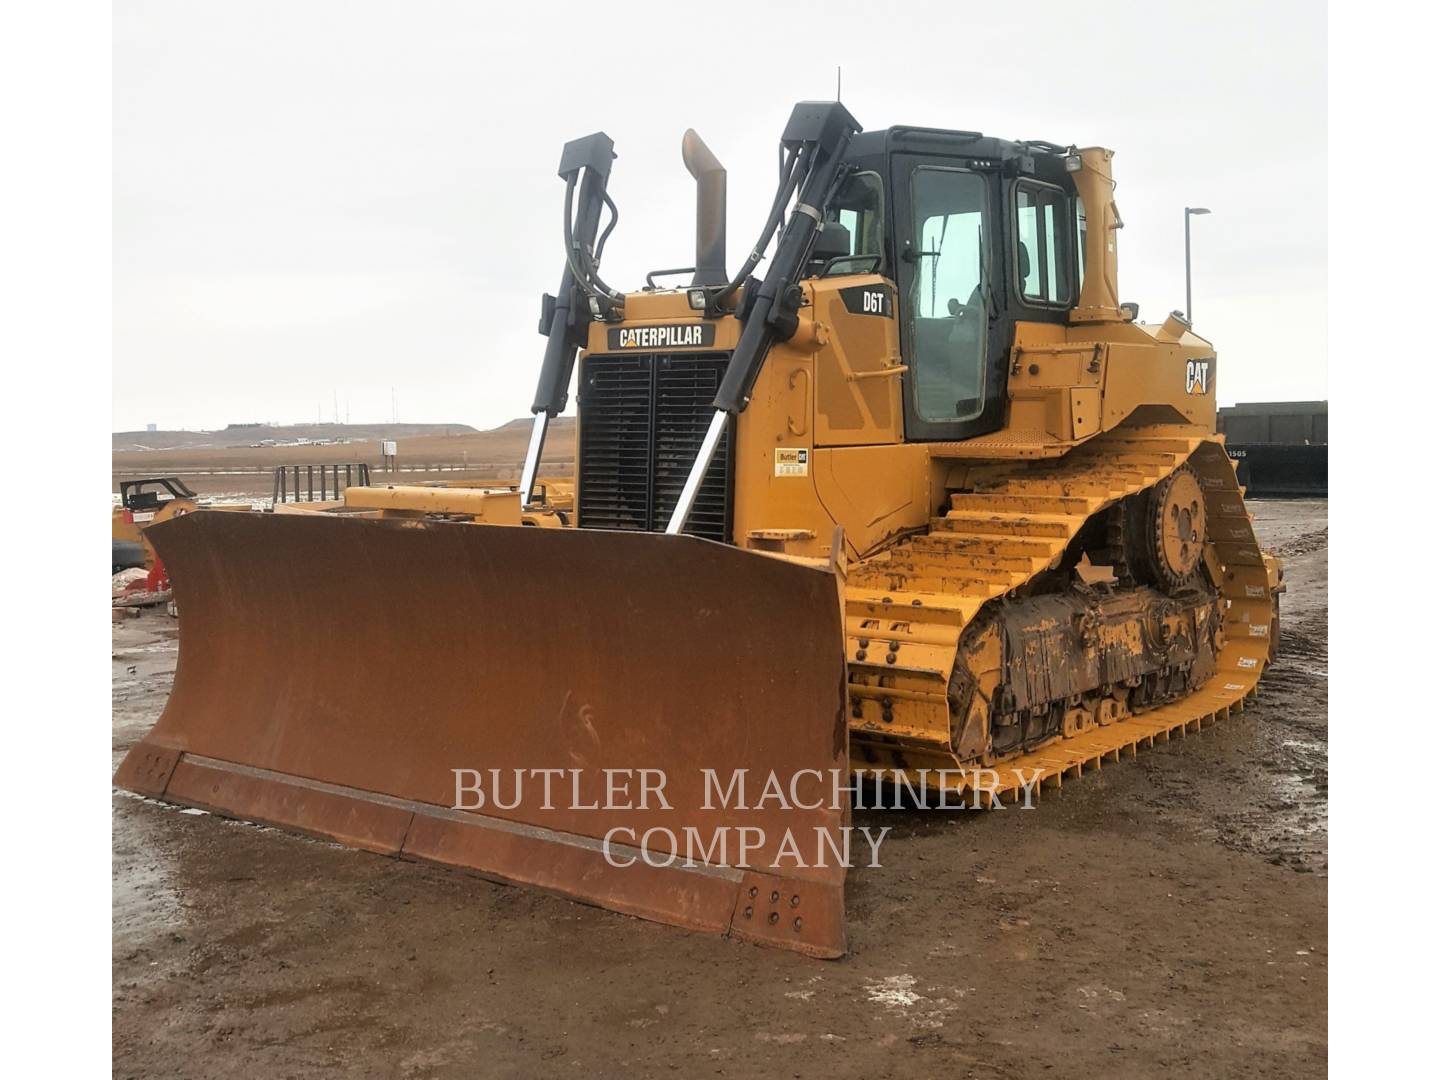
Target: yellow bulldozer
column 143, row 503
column 924, row 502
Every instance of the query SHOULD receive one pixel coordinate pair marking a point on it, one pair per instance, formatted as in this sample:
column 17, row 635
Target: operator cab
column 977, row 234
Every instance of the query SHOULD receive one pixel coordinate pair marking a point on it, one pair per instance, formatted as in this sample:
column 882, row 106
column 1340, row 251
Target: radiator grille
column 642, row 419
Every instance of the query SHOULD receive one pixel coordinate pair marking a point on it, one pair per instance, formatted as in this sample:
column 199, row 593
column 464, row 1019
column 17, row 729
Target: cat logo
column 668, row 336
column 1197, row 376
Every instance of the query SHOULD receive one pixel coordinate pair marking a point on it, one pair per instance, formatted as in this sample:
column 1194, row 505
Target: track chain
column 907, row 607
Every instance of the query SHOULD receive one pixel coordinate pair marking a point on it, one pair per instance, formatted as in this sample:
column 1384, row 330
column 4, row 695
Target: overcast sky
column 327, row 199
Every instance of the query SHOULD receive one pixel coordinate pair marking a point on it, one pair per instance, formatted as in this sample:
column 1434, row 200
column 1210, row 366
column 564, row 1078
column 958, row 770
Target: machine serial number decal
column 1197, row 376
column 1247, row 662
column 672, row 336
column 1255, row 592
column 868, row 300
column 792, row 461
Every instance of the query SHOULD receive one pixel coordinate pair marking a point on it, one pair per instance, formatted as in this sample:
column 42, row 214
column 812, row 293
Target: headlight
column 696, row 298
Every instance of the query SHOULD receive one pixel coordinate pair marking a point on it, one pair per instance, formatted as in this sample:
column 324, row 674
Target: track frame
column 907, row 608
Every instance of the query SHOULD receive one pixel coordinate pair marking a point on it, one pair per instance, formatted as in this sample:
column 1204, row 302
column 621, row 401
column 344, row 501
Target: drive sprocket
column 1174, row 535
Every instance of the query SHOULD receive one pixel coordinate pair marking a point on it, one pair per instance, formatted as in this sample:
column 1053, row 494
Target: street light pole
column 1189, row 210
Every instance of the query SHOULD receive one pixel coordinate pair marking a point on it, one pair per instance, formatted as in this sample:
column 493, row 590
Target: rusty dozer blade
column 335, row 673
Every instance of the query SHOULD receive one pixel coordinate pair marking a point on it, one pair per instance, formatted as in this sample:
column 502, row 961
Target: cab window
column 1042, row 245
column 949, row 293
column 859, row 207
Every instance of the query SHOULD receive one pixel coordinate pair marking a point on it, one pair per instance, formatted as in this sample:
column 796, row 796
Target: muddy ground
column 1166, row 916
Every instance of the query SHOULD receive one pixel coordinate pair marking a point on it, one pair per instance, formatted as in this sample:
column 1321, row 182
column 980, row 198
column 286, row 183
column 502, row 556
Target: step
column 1082, row 484
column 1023, row 503
column 1160, row 444
column 901, row 582
column 1164, row 462
column 1032, row 547
column 930, row 558
column 1059, row 526
column 923, row 564
column 867, row 602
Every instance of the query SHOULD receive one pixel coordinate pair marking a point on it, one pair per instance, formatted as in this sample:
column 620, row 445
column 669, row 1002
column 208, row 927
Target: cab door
column 954, row 335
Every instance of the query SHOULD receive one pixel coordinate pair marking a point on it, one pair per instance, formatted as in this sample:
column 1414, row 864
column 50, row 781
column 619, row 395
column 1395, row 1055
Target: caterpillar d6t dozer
column 925, row 500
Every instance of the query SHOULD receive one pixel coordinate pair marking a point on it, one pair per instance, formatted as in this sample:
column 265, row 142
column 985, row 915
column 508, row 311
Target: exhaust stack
column 1100, row 291
column 709, row 177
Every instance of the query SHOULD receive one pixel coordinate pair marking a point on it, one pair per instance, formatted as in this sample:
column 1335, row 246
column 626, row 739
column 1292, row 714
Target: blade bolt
column 797, row 922
column 774, row 897
column 864, row 643
column 774, row 917
column 889, row 658
column 749, row 912
column 754, row 892
column 795, row 900
column 859, row 654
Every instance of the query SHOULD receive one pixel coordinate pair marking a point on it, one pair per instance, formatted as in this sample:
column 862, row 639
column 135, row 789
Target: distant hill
column 249, row 434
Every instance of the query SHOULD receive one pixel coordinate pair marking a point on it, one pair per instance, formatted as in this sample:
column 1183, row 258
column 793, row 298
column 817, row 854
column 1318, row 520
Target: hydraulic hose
column 795, row 167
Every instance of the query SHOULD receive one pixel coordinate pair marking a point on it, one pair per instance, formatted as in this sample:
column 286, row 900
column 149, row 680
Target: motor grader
column 922, row 500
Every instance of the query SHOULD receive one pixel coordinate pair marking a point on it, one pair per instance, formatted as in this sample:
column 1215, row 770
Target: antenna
column 837, row 82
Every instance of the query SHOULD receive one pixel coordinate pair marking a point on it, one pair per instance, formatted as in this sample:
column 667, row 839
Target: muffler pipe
column 709, row 177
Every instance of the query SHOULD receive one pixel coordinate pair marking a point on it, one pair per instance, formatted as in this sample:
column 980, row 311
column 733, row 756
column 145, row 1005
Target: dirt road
column 1166, row 916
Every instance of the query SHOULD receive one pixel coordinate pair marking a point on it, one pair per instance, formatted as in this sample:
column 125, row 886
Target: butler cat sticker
column 792, row 461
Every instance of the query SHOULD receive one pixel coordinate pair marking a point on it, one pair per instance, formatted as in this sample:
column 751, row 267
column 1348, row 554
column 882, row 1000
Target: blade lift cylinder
column 564, row 318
